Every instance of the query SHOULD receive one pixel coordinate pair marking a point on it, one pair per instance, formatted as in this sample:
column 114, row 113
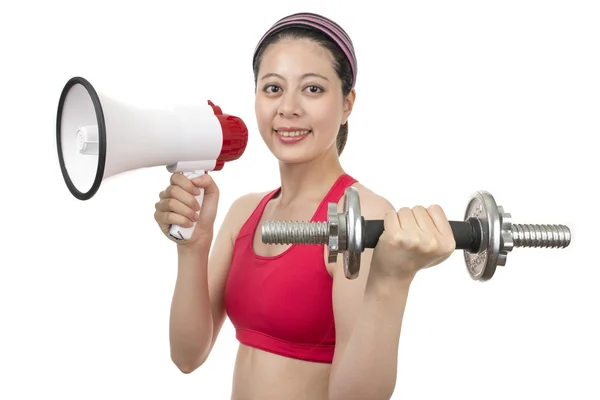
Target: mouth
column 292, row 133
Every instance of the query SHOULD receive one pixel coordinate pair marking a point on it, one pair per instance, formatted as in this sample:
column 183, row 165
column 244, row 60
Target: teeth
column 294, row 133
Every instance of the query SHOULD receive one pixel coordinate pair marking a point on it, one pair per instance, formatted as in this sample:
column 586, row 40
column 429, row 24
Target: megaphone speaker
column 99, row 137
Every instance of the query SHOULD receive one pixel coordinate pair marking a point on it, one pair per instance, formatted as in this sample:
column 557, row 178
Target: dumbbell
column 486, row 235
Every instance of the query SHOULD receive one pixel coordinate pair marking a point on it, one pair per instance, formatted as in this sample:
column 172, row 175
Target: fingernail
column 196, row 217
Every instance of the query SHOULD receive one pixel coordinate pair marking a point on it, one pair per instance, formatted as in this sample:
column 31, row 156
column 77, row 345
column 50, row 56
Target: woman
column 305, row 331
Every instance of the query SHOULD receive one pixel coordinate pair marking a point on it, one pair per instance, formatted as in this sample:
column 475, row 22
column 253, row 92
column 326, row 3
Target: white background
column 453, row 97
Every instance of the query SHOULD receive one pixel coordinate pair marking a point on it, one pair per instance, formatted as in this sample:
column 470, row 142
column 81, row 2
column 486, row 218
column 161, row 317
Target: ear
column 348, row 104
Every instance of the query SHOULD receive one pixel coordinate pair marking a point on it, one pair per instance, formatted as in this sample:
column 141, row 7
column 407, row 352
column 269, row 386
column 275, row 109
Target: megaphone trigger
column 99, row 137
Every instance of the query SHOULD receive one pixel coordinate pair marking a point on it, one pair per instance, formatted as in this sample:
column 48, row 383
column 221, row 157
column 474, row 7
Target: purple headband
column 318, row 23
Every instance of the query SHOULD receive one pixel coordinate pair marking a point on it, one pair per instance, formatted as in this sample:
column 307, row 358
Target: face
column 299, row 103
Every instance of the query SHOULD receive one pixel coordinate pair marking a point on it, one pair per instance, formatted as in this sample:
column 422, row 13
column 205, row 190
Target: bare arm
column 368, row 324
column 197, row 308
column 195, row 315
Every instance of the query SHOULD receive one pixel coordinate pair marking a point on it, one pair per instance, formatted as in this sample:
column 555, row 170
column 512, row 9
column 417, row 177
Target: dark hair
column 340, row 64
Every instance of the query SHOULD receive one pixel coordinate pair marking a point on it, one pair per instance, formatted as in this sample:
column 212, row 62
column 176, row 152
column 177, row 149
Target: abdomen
column 265, row 376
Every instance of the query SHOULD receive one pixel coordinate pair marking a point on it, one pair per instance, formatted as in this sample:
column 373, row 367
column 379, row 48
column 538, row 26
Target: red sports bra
column 283, row 304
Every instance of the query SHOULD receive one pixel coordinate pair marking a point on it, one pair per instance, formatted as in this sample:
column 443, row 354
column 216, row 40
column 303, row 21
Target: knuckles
column 450, row 246
column 171, row 218
column 401, row 240
column 430, row 246
column 171, row 203
column 435, row 208
column 403, row 211
column 419, row 209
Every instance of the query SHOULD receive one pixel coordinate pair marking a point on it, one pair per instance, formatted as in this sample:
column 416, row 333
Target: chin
column 296, row 156
column 292, row 157
column 291, row 150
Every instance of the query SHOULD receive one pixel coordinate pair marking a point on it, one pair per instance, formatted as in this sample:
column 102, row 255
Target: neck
column 309, row 181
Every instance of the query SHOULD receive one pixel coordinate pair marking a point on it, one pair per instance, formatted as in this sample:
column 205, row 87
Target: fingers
column 423, row 220
column 400, row 229
column 391, row 224
column 194, row 185
column 438, row 217
column 207, row 183
column 173, row 205
column 407, row 220
column 171, row 218
column 183, row 182
column 176, row 192
column 425, row 229
column 178, row 204
column 443, row 227
column 432, row 220
column 413, row 239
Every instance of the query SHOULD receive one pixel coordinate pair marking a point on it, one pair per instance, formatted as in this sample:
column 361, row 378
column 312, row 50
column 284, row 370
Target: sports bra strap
column 335, row 194
column 252, row 221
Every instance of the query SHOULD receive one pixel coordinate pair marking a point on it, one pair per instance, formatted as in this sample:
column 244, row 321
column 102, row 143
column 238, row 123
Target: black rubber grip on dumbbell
column 467, row 234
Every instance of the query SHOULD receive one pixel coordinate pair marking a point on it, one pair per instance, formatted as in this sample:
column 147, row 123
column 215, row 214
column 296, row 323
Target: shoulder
column 240, row 210
column 372, row 204
column 246, row 203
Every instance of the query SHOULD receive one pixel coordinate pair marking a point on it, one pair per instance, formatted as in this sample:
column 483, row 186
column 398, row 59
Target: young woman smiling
column 304, row 330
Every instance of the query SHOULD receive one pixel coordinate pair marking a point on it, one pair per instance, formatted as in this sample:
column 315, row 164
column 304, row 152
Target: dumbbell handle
column 467, row 234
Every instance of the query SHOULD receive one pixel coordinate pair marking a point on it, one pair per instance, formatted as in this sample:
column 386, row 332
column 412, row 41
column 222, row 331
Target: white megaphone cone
column 98, row 137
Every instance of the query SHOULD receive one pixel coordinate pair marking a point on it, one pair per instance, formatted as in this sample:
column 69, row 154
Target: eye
column 271, row 89
column 314, row 89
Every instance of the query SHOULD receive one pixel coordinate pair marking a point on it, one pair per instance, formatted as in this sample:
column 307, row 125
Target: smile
column 292, row 133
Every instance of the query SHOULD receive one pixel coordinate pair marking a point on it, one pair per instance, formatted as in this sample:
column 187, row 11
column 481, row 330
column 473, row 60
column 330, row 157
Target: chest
column 288, row 295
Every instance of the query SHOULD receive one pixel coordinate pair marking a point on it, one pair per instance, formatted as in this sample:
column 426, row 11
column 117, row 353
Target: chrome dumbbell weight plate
column 355, row 242
column 345, row 233
column 481, row 264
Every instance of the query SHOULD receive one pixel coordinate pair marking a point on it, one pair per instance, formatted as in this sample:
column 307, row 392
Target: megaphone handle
column 180, row 233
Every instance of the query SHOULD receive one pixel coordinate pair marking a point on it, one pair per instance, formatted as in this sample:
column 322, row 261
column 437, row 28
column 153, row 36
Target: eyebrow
column 310, row 74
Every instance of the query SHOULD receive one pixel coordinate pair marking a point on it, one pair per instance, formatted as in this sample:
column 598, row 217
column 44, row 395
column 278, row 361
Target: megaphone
column 99, row 137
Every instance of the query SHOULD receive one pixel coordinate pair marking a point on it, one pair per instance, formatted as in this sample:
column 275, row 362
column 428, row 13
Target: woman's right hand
column 178, row 206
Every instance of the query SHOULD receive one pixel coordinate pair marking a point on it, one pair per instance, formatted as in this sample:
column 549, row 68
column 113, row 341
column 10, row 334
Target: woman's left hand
column 413, row 239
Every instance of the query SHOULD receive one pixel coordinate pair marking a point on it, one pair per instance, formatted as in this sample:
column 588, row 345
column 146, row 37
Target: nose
column 290, row 105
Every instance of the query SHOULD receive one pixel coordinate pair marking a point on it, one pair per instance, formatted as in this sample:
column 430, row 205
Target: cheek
column 327, row 116
column 264, row 114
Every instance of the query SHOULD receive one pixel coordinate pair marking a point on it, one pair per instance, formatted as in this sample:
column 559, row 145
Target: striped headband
column 317, row 23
